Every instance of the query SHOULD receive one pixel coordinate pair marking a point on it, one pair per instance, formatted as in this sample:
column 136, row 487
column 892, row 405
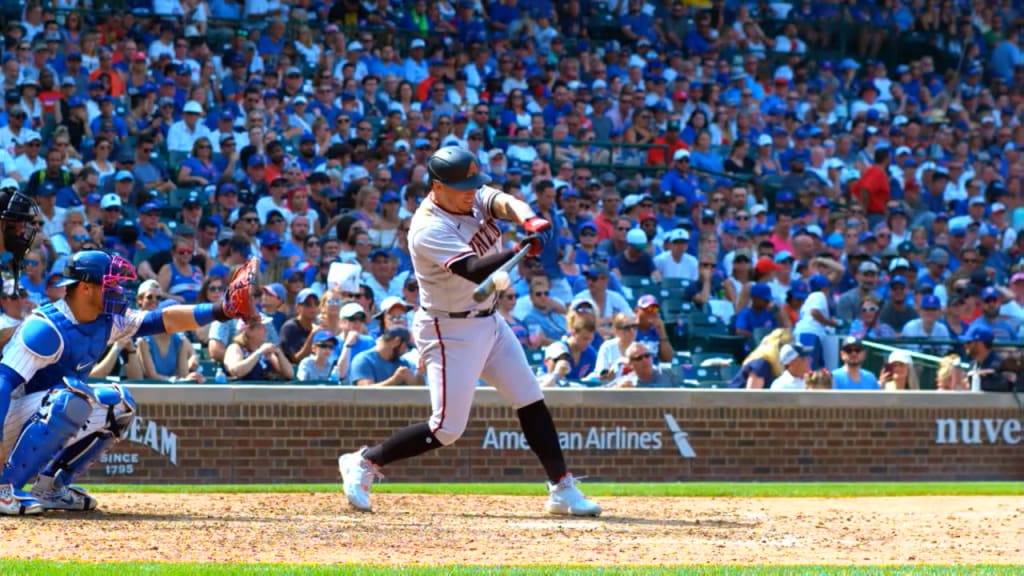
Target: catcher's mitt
column 239, row 298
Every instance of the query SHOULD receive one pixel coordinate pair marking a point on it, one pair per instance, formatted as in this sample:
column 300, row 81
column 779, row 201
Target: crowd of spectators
column 720, row 155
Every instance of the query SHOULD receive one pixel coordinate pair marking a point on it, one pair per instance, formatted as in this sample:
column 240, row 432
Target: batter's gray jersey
column 438, row 238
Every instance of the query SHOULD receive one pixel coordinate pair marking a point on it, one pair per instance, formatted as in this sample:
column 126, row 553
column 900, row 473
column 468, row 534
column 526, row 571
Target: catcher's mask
column 17, row 222
column 110, row 271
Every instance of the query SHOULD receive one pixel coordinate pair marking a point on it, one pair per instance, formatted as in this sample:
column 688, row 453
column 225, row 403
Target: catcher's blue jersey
column 50, row 344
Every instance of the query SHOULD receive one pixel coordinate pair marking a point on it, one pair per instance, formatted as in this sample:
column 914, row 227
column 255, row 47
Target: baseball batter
column 455, row 245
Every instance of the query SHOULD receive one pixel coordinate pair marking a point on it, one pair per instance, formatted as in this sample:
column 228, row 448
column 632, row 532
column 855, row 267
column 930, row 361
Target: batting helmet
column 456, row 167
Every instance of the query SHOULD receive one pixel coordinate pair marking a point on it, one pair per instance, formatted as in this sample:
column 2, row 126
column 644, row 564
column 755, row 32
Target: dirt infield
column 430, row 530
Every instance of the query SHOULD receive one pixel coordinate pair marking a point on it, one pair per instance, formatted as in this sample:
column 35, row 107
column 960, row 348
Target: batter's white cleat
column 357, row 475
column 17, row 503
column 66, row 498
column 566, row 499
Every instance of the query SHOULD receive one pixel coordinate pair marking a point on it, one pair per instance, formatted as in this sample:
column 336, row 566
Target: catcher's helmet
column 96, row 267
column 456, row 167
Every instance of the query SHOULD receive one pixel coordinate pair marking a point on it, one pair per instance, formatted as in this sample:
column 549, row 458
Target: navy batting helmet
column 456, row 167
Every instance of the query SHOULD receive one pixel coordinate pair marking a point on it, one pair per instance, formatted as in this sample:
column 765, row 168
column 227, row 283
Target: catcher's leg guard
column 110, row 420
column 63, row 413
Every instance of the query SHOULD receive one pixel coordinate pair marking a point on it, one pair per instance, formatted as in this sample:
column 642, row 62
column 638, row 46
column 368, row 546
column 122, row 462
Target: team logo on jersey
column 485, row 238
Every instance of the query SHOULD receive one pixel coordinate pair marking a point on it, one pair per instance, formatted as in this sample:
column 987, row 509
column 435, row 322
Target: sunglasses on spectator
column 541, row 294
column 853, row 350
column 184, row 252
column 151, row 297
column 215, row 288
column 869, row 309
column 335, row 301
column 351, row 295
column 627, row 327
column 639, row 357
column 250, row 220
column 707, row 265
column 362, row 243
column 358, row 317
column 972, row 261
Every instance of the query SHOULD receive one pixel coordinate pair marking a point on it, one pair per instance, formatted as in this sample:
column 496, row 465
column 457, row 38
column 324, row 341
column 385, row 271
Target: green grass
column 599, row 489
column 82, row 569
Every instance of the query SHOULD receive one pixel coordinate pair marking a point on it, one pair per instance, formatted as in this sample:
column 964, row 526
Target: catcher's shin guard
column 61, row 415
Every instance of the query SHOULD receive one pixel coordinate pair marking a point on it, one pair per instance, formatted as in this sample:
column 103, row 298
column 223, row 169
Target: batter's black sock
column 539, row 429
column 406, row 443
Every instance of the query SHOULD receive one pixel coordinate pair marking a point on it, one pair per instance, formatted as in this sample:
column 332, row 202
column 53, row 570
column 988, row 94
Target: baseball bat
column 486, row 288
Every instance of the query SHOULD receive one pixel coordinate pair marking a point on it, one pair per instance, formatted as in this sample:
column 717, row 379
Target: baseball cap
column 764, row 265
column 110, row 201
column 351, row 309
column 791, row 352
column 149, row 207
column 399, row 332
column 851, row 341
column 867, row 266
column 184, row 229
column 678, row 235
column 761, row 290
column 898, row 280
column 588, row 225
column 680, row 155
column 978, row 333
column 798, row 289
column 389, row 303
column 819, row 281
column 193, row 107
column 647, row 301
column 322, row 336
column 930, row 302
column 898, row 263
column 305, row 294
column 1018, row 277
column 275, row 289
column 556, row 350
column 636, row 238
column 782, row 256
column 269, row 238
column 990, row 292
column 596, row 270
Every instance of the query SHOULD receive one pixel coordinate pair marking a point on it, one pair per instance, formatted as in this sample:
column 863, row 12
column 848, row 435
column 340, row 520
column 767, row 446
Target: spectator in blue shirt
column 761, row 313
column 383, row 365
column 1000, row 327
column 850, row 376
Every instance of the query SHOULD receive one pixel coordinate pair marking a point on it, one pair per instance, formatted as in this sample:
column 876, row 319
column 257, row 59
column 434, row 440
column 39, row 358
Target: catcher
column 55, row 426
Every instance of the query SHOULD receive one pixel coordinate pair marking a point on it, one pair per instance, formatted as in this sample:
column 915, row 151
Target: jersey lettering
column 485, row 238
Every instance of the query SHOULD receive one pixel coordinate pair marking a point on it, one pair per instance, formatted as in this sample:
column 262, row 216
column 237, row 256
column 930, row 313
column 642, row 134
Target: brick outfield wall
column 293, row 440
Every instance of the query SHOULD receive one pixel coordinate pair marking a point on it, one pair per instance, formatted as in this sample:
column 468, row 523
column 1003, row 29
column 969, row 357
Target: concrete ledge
column 304, row 395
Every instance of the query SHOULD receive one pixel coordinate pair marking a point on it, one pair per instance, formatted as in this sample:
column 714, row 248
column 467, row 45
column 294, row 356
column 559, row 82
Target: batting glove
column 539, row 227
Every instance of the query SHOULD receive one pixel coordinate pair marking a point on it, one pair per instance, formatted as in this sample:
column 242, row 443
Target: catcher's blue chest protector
column 84, row 344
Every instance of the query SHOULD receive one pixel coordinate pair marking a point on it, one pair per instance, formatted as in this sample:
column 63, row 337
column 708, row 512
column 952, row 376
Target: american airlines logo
column 599, row 438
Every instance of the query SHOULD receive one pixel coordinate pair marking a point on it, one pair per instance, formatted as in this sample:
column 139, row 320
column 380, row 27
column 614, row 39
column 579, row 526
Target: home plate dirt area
column 499, row 530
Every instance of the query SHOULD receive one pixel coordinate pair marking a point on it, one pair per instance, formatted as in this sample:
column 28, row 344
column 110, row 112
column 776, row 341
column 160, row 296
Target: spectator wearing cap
column 275, row 201
column 897, row 311
column 636, row 260
column 1001, row 328
column 608, row 301
column 680, row 181
column 985, row 372
column 51, row 215
column 928, row 325
column 383, row 365
column 851, row 375
column 184, row 133
column 251, row 357
column 296, row 333
column 318, row 366
column 675, row 262
column 16, row 129
column 935, row 273
column 816, row 322
column 671, row 139
column 761, row 314
column 651, row 328
column 33, row 167
column 152, row 233
column 796, row 361
column 848, row 304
